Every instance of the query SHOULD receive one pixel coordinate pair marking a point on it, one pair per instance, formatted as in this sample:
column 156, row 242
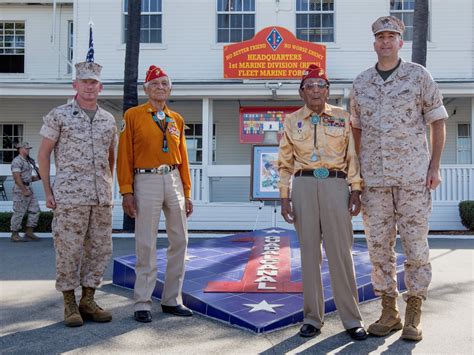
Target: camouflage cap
column 88, row 70
column 25, row 145
column 388, row 23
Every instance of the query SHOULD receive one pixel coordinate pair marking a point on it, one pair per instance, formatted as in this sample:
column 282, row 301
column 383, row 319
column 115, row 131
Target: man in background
column 24, row 200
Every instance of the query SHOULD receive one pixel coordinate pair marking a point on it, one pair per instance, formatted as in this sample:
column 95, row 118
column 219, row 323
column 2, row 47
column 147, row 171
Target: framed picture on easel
column 264, row 175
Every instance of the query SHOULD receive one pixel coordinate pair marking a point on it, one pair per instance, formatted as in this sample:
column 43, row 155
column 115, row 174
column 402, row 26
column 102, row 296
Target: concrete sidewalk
column 31, row 314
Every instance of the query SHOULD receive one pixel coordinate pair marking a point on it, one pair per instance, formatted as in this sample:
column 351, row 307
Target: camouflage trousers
column 384, row 210
column 21, row 205
column 83, row 243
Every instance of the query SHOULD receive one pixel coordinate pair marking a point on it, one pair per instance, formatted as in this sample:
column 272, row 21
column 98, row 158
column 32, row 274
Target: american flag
column 90, row 52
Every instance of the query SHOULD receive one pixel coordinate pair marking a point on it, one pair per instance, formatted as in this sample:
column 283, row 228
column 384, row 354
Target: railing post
column 207, row 146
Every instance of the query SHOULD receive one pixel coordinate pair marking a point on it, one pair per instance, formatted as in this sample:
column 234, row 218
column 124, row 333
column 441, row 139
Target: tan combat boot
column 15, row 237
column 389, row 320
column 412, row 327
column 72, row 317
column 90, row 310
column 30, row 235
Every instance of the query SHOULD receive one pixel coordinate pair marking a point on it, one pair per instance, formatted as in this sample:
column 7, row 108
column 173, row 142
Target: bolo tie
column 162, row 122
column 315, row 119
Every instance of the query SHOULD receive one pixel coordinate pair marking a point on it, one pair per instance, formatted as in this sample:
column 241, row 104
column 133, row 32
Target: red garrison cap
column 314, row 71
column 154, row 73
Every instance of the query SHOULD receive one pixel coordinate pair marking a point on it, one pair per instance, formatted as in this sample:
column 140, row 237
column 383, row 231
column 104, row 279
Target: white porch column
column 345, row 104
column 207, row 123
column 472, row 130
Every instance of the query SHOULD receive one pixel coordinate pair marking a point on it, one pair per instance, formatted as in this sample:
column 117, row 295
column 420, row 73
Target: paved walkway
column 31, row 314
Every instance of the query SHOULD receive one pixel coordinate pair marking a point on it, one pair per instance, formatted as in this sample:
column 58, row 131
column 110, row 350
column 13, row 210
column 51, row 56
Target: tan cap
column 88, row 70
column 388, row 23
column 25, row 145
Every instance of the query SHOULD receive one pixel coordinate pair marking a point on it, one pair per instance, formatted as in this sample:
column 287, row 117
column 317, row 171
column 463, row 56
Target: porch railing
column 457, row 184
column 195, row 170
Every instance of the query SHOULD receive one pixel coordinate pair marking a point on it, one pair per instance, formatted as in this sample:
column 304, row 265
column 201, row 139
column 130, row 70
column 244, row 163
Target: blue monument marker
column 250, row 280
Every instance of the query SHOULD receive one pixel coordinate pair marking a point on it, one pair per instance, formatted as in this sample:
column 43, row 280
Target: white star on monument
column 263, row 306
column 273, row 231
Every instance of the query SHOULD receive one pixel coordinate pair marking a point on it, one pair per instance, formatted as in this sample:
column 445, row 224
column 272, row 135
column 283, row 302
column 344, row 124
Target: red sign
column 273, row 53
column 268, row 269
column 255, row 120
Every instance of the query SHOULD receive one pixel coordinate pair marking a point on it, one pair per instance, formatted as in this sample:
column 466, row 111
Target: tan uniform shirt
column 335, row 146
column 393, row 115
column 81, row 153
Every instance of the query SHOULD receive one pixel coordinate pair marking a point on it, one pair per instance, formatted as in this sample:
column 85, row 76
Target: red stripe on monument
column 248, row 282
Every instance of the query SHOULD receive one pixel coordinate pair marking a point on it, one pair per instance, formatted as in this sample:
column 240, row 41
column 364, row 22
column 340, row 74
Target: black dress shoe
column 178, row 310
column 357, row 333
column 308, row 331
column 143, row 316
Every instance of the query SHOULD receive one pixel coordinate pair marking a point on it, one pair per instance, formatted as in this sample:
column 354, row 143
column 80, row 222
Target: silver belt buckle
column 163, row 169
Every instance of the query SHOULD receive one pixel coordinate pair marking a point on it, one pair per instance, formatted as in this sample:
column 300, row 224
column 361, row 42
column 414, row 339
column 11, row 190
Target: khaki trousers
column 321, row 214
column 154, row 193
column 408, row 208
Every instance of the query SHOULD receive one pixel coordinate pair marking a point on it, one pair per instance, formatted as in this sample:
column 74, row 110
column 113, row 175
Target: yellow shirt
column 141, row 143
column 334, row 147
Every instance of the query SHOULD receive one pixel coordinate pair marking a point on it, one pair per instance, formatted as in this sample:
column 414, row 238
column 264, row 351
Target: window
column 151, row 17
column 10, row 134
column 404, row 9
column 70, row 44
column 235, row 20
column 315, row 20
column 464, row 144
column 12, row 47
column 193, row 133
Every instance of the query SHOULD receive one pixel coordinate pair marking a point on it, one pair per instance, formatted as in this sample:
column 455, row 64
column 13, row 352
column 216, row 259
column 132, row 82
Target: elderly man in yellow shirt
column 317, row 150
column 153, row 175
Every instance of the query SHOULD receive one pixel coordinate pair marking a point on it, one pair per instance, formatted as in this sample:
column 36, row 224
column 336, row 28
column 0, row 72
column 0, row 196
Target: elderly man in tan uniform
column 83, row 137
column 24, row 200
column 317, row 148
column 153, row 175
column 391, row 104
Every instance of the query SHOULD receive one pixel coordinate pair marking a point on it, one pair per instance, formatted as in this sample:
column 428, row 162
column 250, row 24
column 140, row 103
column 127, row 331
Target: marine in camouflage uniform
column 83, row 137
column 391, row 107
column 24, row 200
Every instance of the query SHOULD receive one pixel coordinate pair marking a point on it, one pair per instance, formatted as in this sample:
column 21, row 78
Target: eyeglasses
column 155, row 84
column 317, row 84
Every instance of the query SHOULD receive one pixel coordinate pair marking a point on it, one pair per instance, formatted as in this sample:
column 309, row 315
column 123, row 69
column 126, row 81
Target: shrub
column 44, row 222
column 466, row 211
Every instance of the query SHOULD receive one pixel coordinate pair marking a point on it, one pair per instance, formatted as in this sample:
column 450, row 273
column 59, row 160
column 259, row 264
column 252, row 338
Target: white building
column 40, row 39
